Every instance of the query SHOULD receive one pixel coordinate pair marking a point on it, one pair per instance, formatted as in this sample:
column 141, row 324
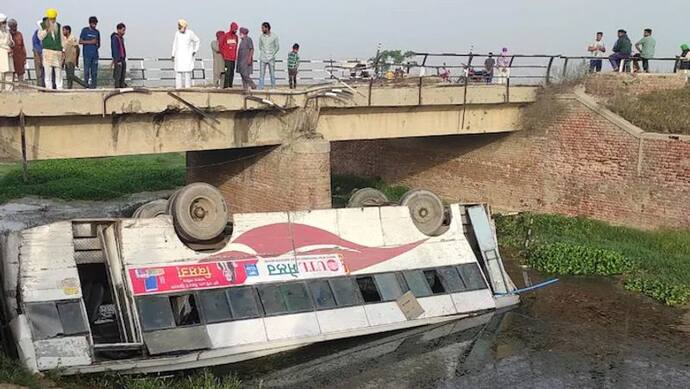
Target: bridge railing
column 525, row 69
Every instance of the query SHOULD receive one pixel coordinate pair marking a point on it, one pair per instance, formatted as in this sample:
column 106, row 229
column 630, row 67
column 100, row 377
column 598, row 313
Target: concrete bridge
column 264, row 150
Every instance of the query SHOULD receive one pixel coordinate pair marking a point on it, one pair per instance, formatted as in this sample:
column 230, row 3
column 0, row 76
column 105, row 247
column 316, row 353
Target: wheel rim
column 426, row 210
column 199, row 212
column 367, row 197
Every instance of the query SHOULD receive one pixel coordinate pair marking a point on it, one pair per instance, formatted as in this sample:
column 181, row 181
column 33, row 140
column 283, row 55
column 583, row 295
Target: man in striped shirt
column 293, row 65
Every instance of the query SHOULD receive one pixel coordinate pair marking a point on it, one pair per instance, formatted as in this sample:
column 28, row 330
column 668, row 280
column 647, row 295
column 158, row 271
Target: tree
column 388, row 57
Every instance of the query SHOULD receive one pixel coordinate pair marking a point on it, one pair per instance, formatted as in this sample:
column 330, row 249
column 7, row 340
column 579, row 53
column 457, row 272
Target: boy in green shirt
column 293, row 65
column 646, row 47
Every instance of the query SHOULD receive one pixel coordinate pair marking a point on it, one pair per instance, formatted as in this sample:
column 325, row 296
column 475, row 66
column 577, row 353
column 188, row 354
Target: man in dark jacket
column 119, row 53
column 621, row 51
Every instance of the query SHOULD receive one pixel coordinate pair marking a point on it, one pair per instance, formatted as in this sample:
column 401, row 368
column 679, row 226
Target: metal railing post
column 565, row 68
column 548, row 70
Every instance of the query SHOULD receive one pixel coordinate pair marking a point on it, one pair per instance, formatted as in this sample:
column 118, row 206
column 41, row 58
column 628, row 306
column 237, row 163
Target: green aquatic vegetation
column 569, row 258
column 655, row 263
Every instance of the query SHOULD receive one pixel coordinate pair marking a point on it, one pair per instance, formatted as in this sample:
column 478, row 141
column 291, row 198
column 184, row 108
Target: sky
column 349, row 29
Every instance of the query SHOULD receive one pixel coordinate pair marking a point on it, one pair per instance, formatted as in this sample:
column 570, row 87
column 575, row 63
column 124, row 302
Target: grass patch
column 203, row 379
column 661, row 111
column 11, row 372
column 343, row 186
column 93, row 179
column 656, row 263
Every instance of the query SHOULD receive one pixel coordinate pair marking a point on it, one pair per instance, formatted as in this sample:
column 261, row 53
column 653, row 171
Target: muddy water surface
column 581, row 332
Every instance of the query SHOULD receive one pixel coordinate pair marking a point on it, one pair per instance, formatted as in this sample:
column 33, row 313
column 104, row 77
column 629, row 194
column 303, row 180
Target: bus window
column 243, row 303
column 322, row 293
column 389, row 286
column 345, row 291
column 451, row 279
column 296, row 297
column 184, row 310
column 155, row 313
column 434, row 282
column 417, row 283
column 214, row 304
column 368, row 288
column 472, row 276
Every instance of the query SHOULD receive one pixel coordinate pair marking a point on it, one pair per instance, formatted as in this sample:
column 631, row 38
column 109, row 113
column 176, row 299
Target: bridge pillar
column 295, row 176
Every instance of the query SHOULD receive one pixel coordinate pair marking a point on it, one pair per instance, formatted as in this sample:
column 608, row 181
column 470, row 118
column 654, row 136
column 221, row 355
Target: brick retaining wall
column 588, row 163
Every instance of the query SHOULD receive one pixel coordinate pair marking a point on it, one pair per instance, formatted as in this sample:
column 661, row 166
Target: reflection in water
column 583, row 332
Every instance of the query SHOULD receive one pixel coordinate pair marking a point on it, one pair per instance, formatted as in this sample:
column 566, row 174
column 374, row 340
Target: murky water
column 582, row 332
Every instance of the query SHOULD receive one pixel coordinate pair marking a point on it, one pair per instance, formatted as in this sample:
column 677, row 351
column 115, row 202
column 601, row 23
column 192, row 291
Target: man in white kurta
column 185, row 47
column 6, row 64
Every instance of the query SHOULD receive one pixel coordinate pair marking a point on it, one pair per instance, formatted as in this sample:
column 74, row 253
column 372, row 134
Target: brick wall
column 584, row 164
column 262, row 179
column 609, row 84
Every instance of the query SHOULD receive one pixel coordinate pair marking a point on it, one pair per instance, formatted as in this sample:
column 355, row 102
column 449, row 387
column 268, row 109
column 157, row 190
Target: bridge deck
column 98, row 123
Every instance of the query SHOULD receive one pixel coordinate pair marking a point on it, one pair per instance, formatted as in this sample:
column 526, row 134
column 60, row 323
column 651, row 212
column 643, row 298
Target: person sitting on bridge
column 646, row 47
column 489, row 65
column 684, row 58
column 621, row 51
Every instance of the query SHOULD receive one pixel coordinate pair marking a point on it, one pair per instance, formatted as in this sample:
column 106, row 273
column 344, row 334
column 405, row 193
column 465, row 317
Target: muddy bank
column 32, row 211
column 582, row 332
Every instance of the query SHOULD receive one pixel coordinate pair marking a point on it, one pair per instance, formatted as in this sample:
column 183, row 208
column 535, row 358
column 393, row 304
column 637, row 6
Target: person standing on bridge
column 646, row 48
column 185, row 47
column 245, row 59
column 119, row 53
column 228, row 47
column 596, row 50
column 268, row 49
column 6, row 64
column 71, row 59
column 621, row 52
column 37, row 47
column 50, row 34
column 489, row 65
column 293, row 65
column 90, row 38
column 218, row 61
column 18, row 51
column 503, row 67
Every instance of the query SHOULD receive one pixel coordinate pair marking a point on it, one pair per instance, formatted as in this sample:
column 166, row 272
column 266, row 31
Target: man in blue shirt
column 38, row 58
column 90, row 38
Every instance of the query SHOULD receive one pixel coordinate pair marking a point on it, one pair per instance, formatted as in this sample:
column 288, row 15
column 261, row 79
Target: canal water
column 580, row 332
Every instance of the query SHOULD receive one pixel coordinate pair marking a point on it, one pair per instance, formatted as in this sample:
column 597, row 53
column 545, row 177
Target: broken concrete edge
column 617, row 120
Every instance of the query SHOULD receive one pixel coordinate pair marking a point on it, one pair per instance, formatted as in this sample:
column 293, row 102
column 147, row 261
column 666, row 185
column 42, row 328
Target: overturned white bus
column 134, row 295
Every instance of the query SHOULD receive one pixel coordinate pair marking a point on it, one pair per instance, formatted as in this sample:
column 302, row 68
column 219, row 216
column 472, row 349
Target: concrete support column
column 295, row 176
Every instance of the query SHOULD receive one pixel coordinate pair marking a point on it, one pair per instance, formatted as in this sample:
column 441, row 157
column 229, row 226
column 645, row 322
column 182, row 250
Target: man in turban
column 185, row 47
